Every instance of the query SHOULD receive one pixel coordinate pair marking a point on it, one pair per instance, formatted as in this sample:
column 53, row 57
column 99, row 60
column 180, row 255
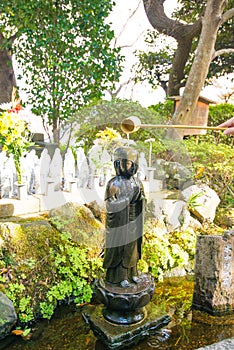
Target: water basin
column 188, row 330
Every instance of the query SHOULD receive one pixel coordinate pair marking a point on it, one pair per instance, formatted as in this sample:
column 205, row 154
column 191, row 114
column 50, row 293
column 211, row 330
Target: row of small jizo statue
column 79, row 170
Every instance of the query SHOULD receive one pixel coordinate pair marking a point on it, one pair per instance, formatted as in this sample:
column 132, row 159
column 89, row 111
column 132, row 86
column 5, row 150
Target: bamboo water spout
column 132, row 124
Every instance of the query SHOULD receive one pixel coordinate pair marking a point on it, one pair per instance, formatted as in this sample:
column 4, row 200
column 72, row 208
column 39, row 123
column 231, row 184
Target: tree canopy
column 64, row 51
column 104, row 114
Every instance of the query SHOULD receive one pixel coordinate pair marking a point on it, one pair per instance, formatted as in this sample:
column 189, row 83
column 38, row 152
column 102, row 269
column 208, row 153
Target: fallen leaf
column 17, row 332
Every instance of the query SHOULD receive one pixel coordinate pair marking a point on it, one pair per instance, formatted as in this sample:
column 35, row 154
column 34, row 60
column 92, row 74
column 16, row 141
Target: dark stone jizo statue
column 124, row 220
column 123, row 293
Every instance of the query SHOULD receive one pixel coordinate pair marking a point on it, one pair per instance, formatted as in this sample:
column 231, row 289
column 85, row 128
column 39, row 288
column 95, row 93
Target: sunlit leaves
column 64, row 52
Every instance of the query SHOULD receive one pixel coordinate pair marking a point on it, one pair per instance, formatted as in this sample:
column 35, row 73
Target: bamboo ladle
column 132, row 124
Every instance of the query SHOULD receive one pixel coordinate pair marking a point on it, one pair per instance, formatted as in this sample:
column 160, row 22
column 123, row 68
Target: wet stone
column 117, row 336
column 214, row 274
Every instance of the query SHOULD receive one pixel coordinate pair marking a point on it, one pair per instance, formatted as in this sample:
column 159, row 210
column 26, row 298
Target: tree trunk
column 199, row 70
column 7, row 75
column 176, row 76
column 182, row 33
column 56, row 130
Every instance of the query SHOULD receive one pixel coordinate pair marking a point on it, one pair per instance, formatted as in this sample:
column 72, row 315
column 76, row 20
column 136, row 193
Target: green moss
column 41, row 266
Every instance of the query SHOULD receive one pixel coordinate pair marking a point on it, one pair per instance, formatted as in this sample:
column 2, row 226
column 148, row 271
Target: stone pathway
column 227, row 344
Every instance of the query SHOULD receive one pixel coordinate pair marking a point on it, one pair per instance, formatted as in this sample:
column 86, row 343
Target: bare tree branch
column 125, row 24
column 130, row 45
column 227, row 15
column 222, row 52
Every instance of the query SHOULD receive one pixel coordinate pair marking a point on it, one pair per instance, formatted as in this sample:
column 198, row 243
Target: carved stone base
column 120, row 317
column 125, row 305
column 119, row 336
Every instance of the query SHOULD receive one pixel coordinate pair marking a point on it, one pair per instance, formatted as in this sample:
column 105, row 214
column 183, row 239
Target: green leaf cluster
column 102, row 114
column 42, row 268
column 165, row 251
column 213, row 164
column 64, row 52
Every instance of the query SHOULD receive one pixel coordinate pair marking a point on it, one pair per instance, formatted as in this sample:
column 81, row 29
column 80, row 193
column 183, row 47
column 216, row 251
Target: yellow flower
column 13, row 137
column 9, row 139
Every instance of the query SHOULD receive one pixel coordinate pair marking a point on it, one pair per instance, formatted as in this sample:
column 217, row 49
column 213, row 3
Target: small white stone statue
column 45, row 161
column 32, row 171
column 55, row 171
column 82, row 168
column 142, row 171
column 69, row 170
column 7, row 171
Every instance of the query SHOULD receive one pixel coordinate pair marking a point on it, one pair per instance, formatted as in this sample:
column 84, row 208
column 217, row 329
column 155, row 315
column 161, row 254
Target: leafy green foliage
column 110, row 114
column 162, row 252
column 65, row 54
column 164, row 109
column 214, row 165
column 41, row 267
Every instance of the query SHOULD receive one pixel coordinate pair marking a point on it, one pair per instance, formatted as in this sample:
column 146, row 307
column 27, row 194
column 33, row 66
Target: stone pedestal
column 22, row 192
column 117, row 336
column 214, row 274
column 125, row 305
column 50, row 186
column 72, row 185
column 127, row 315
column 150, row 173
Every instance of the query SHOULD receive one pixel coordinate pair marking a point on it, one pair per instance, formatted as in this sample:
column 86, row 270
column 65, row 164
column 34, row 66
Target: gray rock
column 202, row 201
column 227, row 344
column 175, row 174
column 80, row 222
column 8, row 315
column 214, row 278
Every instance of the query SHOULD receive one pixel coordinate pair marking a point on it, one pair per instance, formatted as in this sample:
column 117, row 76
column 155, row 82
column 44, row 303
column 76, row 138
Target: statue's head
column 126, row 161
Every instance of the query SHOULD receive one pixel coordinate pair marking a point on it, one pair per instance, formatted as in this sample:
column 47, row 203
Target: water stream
column 188, row 330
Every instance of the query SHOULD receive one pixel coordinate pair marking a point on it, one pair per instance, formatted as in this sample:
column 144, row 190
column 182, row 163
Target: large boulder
column 80, row 222
column 8, row 315
column 171, row 213
column 202, row 201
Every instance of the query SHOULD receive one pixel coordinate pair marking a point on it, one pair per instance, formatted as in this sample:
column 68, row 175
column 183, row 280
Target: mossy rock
column 79, row 221
column 98, row 211
column 25, row 252
column 26, row 239
column 40, row 266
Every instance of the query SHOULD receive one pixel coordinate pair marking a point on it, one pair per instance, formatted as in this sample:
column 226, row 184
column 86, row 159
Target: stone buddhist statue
column 124, row 220
column 124, row 294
